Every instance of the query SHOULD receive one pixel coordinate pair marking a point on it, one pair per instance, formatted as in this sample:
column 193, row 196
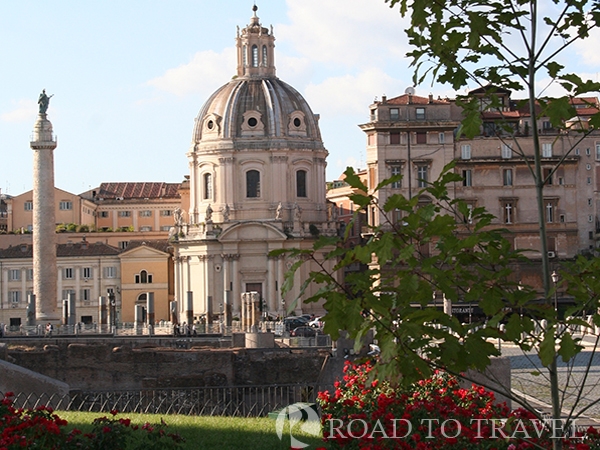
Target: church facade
column 256, row 184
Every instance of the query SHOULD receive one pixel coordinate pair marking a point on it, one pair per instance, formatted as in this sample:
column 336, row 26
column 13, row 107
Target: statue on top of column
column 44, row 101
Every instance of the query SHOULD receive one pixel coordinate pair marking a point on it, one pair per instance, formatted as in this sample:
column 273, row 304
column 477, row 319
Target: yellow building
column 146, row 267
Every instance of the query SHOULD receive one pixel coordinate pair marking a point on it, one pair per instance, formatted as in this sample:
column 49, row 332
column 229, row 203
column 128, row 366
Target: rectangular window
column 146, row 213
column 547, row 150
column 28, row 206
column 420, row 113
column 86, row 273
column 589, row 202
column 66, row 292
column 550, row 207
column 589, row 180
column 14, row 274
column 86, row 295
column 469, row 217
column 166, row 212
column 15, row 297
column 373, row 114
column 547, row 176
column 421, row 176
column 65, row 205
column 110, row 272
column 506, row 151
column 509, row 212
column 68, row 273
column 598, row 151
column 394, row 113
column 465, row 151
column 421, row 137
column 104, row 214
column 546, row 125
column 396, row 170
column 371, row 139
column 29, row 274
column 507, row 177
column 165, row 228
column 124, row 213
column 441, row 138
column 146, row 228
column 467, row 178
column 561, row 180
column 394, row 137
column 123, row 245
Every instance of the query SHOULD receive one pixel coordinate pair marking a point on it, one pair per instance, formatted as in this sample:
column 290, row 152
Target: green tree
column 495, row 44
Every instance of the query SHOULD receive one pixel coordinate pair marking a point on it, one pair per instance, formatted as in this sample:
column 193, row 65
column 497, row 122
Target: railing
column 241, row 401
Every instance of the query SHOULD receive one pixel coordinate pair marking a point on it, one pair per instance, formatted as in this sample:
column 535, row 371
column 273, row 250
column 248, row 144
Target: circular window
column 297, row 122
column 588, row 167
column 210, row 124
column 252, row 122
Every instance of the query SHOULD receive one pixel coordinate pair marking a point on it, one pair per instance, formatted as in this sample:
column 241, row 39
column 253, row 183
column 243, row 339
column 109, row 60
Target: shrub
column 434, row 413
column 44, row 430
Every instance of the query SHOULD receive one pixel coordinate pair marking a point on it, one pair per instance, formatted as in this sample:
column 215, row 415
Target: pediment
column 252, row 231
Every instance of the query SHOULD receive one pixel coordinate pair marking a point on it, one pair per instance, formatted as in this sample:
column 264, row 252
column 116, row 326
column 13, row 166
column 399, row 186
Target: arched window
column 143, row 277
column 264, row 56
column 253, row 183
column 254, row 56
column 244, row 56
column 208, row 186
column 301, row 183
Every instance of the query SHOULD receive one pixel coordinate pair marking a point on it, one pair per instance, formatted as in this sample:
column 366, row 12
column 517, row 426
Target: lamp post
column 555, row 279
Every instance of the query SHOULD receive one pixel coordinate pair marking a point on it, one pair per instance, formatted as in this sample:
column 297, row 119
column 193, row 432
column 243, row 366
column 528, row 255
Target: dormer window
column 297, row 124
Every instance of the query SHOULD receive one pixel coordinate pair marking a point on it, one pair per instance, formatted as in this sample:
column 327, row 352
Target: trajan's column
column 43, row 144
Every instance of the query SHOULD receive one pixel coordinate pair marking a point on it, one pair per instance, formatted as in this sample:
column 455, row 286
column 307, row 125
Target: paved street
column 526, row 380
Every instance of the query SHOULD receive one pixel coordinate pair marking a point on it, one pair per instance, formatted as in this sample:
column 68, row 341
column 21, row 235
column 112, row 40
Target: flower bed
column 435, row 413
column 42, row 429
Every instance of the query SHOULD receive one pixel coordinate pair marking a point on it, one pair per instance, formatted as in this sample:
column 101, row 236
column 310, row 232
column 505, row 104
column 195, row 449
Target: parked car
column 304, row 331
column 291, row 323
column 316, row 323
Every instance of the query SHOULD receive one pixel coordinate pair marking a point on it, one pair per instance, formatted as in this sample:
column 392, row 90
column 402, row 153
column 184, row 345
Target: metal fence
column 240, row 401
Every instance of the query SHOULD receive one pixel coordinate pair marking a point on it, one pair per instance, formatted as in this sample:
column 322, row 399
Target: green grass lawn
column 222, row 433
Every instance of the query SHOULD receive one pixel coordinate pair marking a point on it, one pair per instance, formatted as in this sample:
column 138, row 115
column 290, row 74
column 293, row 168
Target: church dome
column 257, row 104
column 257, row 107
column 256, row 150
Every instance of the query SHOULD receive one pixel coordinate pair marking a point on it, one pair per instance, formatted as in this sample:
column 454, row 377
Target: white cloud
column 352, row 32
column 352, row 94
column 587, row 49
column 24, row 111
column 203, row 74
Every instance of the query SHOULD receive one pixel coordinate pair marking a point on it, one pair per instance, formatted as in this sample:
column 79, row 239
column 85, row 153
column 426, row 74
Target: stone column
column 45, row 274
column 150, row 308
column 271, row 292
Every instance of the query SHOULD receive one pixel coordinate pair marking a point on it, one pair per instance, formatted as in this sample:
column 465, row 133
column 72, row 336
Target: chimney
column 430, row 98
column 383, row 98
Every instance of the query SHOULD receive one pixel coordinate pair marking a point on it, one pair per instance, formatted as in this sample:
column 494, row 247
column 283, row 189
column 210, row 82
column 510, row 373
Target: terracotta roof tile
column 137, row 190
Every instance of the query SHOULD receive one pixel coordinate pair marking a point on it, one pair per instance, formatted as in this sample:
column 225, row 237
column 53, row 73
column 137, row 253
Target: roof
column 137, row 190
column 406, row 99
column 82, row 248
column 162, row 245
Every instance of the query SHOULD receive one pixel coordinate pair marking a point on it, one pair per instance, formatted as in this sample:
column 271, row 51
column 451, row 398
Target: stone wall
column 95, row 365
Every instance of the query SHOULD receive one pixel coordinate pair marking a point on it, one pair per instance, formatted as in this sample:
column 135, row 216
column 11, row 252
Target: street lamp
column 555, row 279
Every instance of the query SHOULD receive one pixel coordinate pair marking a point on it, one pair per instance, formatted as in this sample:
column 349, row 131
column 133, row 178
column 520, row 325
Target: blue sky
column 129, row 77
